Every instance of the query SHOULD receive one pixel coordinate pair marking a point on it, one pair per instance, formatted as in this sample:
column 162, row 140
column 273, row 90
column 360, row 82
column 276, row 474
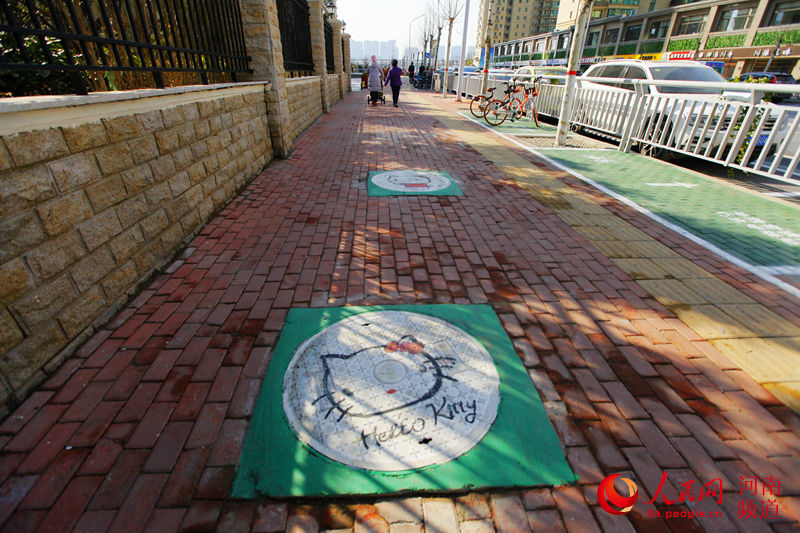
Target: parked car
column 689, row 112
column 771, row 77
column 531, row 72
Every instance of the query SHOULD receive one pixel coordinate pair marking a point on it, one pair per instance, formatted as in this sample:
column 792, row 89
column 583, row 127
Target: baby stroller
column 379, row 97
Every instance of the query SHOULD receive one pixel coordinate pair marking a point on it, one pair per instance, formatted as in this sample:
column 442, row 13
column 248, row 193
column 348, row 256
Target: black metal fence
column 295, row 36
column 329, row 47
column 56, row 46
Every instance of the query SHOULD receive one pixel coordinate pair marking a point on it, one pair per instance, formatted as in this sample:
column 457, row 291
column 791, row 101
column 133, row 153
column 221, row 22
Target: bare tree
column 427, row 33
column 450, row 11
column 435, row 10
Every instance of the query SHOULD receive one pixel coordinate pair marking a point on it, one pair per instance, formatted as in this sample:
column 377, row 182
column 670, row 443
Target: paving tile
column 405, row 510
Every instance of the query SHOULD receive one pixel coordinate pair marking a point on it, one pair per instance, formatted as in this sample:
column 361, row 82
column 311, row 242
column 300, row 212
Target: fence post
column 317, row 26
column 348, row 65
column 337, row 54
column 634, row 119
column 744, row 129
column 262, row 35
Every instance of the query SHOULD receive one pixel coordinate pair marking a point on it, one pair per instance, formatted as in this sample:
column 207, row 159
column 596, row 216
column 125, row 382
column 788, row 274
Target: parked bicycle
column 498, row 110
column 477, row 105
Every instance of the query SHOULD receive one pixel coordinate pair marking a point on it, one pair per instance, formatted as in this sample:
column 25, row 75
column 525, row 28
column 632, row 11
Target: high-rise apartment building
column 513, row 19
column 568, row 9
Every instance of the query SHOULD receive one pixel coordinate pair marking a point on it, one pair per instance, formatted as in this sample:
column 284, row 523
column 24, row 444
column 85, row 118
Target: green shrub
column 626, row 49
column 561, row 53
column 725, row 41
column 683, row 44
column 772, row 37
column 589, row 52
column 651, row 48
column 606, row 51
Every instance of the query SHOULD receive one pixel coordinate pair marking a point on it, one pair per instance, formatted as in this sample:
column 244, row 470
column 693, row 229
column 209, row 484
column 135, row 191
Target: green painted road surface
column 519, row 127
column 755, row 229
column 520, row 449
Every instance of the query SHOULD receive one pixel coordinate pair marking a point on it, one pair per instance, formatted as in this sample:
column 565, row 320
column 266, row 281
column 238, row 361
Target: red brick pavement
column 142, row 428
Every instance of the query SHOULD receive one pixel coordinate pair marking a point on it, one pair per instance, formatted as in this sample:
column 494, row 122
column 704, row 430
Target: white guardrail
column 730, row 124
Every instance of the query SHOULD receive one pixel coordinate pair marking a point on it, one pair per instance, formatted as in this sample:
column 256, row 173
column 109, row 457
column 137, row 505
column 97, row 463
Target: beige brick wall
column 91, row 205
column 305, row 103
column 332, row 88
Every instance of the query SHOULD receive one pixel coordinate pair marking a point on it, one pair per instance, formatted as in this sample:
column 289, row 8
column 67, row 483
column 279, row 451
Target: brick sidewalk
column 142, row 429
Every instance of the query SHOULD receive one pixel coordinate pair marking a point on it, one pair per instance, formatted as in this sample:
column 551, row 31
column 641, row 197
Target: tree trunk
column 447, row 56
column 436, row 51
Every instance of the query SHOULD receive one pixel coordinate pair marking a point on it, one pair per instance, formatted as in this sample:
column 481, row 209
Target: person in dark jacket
column 393, row 79
column 411, row 73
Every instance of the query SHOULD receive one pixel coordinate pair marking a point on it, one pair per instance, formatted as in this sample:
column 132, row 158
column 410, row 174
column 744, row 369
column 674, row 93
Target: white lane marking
column 783, row 194
column 674, row 184
column 762, row 226
column 784, row 270
column 762, row 272
column 599, row 159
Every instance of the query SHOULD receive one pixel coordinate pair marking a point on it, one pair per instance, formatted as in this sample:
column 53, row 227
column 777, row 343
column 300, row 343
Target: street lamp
column 409, row 32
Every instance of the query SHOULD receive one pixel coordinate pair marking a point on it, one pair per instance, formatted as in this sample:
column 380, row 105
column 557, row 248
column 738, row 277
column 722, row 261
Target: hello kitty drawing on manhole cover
column 391, row 391
column 411, row 180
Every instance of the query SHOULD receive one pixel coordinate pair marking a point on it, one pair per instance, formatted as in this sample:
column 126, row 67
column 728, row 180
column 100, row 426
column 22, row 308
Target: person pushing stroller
column 375, row 81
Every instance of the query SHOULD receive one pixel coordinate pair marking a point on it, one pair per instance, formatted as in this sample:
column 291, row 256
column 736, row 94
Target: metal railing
column 295, row 36
column 730, row 125
column 78, row 45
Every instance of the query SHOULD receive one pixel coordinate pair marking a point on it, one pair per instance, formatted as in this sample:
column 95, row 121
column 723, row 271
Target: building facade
column 568, row 9
column 731, row 36
column 514, row 19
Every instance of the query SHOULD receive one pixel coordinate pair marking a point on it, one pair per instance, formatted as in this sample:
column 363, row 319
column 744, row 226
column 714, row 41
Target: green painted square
column 451, row 188
column 520, row 449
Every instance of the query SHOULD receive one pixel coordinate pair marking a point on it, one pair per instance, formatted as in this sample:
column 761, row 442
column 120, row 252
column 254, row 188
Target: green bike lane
column 757, row 230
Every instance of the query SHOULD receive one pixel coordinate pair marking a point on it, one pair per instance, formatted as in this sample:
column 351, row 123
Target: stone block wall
column 305, row 103
column 333, row 89
column 91, row 204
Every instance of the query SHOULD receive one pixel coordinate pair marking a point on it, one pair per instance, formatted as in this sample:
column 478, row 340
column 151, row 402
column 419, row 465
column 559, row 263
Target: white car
column 529, row 73
column 672, row 117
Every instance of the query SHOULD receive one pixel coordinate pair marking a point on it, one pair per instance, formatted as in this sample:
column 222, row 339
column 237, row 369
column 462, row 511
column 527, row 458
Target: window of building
column 785, row 13
column 592, row 39
column 596, row 14
column 737, row 18
column 611, row 36
column 658, row 29
column 690, row 24
column 632, row 32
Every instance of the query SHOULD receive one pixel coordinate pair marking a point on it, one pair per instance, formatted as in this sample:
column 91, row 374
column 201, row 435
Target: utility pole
column 772, row 55
column 487, row 46
column 575, row 51
column 462, row 61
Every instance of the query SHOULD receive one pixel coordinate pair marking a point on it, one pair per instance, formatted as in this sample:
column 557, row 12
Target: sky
column 383, row 20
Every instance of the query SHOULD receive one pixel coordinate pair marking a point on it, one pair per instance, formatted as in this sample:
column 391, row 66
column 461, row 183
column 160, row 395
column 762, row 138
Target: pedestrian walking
column 393, row 79
column 411, row 73
column 375, row 80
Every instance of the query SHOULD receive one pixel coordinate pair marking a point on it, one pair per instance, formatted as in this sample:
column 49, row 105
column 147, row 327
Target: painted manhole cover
column 411, row 182
column 390, row 391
